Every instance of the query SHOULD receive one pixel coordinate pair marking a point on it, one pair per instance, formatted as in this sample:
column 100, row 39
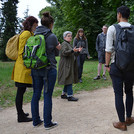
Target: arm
column 88, row 56
column 97, row 43
column 74, row 43
column 107, row 59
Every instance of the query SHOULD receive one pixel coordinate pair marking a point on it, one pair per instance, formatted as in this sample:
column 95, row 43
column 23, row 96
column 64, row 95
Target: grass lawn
column 8, row 90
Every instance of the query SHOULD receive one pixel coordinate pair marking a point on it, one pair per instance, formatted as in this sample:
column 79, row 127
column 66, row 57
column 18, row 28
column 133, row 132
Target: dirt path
column 92, row 114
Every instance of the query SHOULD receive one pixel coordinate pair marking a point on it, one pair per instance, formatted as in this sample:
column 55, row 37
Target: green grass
column 8, row 89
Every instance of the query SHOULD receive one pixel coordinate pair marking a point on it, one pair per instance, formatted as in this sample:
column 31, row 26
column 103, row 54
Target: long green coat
column 68, row 68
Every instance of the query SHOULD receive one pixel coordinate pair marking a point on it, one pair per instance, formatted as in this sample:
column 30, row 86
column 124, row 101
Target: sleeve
column 87, row 48
column 74, row 42
column 97, row 43
column 65, row 51
column 110, row 39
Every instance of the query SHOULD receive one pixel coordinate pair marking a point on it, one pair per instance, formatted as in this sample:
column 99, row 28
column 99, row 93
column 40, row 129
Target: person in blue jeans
column 45, row 77
column 122, row 80
column 68, row 68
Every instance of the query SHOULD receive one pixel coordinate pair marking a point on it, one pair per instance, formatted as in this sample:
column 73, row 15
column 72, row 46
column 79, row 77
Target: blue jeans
column 122, row 80
column 80, row 60
column 68, row 90
column 39, row 80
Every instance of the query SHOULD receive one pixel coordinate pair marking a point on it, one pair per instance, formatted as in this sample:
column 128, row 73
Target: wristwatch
column 106, row 65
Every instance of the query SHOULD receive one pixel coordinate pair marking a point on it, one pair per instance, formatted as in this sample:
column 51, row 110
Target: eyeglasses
column 69, row 35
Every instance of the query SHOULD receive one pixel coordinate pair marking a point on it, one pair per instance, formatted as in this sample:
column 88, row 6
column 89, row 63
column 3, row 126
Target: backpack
column 12, row 47
column 34, row 55
column 124, row 47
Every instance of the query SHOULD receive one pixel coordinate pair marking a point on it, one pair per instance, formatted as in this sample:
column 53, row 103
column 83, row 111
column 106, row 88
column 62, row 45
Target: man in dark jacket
column 100, row 48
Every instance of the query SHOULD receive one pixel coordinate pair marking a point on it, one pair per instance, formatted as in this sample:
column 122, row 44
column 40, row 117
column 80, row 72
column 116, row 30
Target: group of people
column 71, row 67
column 46, row 77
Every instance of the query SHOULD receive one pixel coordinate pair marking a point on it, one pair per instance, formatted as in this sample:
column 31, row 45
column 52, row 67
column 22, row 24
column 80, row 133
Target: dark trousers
column 19, row 100
column 80, row 60
column 122, row 82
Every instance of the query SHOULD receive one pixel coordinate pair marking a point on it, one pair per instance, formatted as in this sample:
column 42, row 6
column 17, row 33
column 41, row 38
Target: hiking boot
column 64, row 96
column 97, row 77
column 104, row 77
column 52, row 125
column 72, row 98
column 129, row 121
column 120, row 125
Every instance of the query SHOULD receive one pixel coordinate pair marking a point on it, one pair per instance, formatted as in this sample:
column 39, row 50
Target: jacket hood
column 42, row 30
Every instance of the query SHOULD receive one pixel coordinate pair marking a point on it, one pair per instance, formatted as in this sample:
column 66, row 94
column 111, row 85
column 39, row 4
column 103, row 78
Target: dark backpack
column 34, row 55
column 124, row 47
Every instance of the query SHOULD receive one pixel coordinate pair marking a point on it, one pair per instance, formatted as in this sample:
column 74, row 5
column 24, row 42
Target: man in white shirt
column 119, row 78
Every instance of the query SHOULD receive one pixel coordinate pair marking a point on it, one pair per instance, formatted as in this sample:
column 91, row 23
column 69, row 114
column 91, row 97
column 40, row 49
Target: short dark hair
column 124, row 11
column 28, row 23
column 47, row 19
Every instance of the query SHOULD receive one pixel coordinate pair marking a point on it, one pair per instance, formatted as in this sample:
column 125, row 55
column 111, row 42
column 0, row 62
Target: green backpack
column 34, row 55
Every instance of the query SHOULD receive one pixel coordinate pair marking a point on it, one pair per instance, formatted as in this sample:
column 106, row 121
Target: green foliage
column 9, row 20
column 90, row 15
column 8, row 89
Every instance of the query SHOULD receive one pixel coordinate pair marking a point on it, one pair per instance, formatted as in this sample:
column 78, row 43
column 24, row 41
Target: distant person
column 45, row 77
column 100, row 48
column 122, row 80
column 21, row 75
column 80, row 40
column 68, row 69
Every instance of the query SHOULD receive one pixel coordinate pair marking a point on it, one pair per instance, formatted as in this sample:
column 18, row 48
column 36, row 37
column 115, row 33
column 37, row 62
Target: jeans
column 80, row 60
column 39, row 80
column 120, row 80
column 68, row 89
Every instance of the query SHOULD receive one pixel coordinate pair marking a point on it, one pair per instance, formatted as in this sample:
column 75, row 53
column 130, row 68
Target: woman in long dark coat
column 68, row 70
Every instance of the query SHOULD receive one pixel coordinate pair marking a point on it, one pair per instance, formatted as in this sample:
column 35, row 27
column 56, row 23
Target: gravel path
column 92, row 114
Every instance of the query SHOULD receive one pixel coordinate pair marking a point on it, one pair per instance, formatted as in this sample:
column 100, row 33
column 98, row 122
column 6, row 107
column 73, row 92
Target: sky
column 34, row 7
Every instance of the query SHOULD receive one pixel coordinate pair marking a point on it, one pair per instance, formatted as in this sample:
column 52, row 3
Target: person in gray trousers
column 100, row 48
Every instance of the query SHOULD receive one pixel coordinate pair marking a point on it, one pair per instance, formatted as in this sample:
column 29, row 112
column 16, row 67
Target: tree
column 10, row 22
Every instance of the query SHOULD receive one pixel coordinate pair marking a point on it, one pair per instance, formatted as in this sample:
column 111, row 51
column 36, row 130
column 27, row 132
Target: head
column 80, row 33
column 30, row 24
column 123, row 13
column 47, row 20
column 104, row 29
column 67, row 36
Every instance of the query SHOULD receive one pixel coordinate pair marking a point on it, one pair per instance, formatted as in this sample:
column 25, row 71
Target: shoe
column 104, row 77
column 54, row 124
column 24, row 119
column 80, row 80
column 39, row 124
column 72, row 98
column 26, row 114
column 64, row 96
column 97, row 77
column 129, row 121
column 120, row 125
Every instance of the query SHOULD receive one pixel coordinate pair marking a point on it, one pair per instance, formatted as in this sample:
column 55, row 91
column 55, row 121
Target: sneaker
column 97, row 77
column 54, row 124
column 80, row 80
column 39, row 124
column 72, row 98
column 64, row 96
column 104, row 77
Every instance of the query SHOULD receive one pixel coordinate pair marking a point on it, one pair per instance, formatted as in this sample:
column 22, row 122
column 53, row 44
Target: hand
column 108, row 69
column 88, row 57
column 76, row 49
column 80, row 48
column 58, row 46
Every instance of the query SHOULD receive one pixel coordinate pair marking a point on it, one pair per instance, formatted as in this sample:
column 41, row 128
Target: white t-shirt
column 111, row 37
